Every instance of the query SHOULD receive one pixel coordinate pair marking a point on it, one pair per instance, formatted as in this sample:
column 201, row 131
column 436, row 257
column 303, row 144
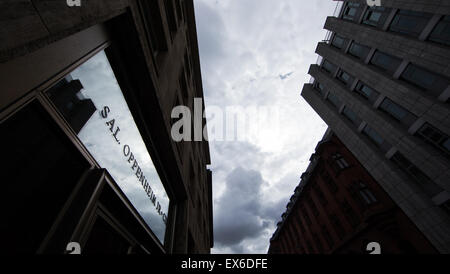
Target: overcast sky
column 257, row 53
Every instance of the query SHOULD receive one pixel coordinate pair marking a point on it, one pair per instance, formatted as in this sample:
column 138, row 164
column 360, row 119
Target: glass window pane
column 338, row 42
column 351, row 116
column 39, row 174
column 373, row 16
column 393, row 109
column 373, row 135
column 385, row 62
column 441, row 33
column 107, row 129
column 425, row 79
column 334, row 100
column 327, row 66
column 359, row 50
column 410, row 22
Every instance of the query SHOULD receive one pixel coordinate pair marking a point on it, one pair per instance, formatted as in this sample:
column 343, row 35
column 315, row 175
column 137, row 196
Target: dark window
column 351, row 11
column 337, row 226
column 329, row 182
column 397, row 112
column 425, row 79
column 375, row 16
column 351, row 116
column 350, row 214
column 368, row 93
column 339, row 161
column 327, row 236
column 359, row 51
column 334, row 100
column 320, row 194
column 365, row 193
column 344, row 77
column 434, row 137
column 415, row 173
column 41, row 172
column 170, row 13
column 338, row 42
column 179, row 10
column 410, row 22
column 385, row 62
column 441, row 33
column 328, row 67
column 320, row 88
column 157, row 36
column 376, row 138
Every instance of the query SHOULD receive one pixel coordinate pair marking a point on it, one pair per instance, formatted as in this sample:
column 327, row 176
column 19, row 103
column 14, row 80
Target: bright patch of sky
column 257, row 53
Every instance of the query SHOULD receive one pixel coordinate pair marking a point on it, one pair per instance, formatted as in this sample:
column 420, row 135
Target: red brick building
column 339, row 208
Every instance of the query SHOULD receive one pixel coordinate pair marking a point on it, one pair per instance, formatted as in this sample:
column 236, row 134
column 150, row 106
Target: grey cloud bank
column 257, row 52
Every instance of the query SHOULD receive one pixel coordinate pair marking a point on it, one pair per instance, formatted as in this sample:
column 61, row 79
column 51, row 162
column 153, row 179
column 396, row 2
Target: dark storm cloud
column 239, row 208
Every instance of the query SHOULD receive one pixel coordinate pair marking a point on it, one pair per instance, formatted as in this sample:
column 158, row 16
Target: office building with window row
column 85, row 116
column 338, row 208
column 382, row 84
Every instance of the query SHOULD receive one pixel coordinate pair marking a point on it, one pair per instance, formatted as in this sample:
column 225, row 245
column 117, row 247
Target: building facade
column 382, row 86
column 86, row 102
column 338, row 208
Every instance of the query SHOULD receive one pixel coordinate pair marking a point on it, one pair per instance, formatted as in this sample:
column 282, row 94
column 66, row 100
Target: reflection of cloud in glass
column 101, row 87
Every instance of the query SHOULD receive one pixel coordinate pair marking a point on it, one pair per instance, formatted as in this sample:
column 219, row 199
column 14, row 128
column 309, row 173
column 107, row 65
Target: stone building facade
column 382, row 84
column 110, row 179
column 338, row 208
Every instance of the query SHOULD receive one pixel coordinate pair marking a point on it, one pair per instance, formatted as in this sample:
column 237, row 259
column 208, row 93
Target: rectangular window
column 441, row 33
column 170, row 13
column 366, row 92
column 376, row 139
column 179, row 10
column 397, row 112
column 351, row 11
column 338, row 41
column 334, row 100
column 328, row 67
column 319, row 193
column 423, row 181
column 329, row 182
column 359, row 51
column 435, row 137
column 344, row 77
column 339, row 161
column 157, row 35
column 351, row 116
column 40, row 174
column 318, row 86
column 111, row 136
column 350, row 214
column 385, row 62
column 365, row 193
column 410, row 23
column 424, row 79
column 375, row 16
